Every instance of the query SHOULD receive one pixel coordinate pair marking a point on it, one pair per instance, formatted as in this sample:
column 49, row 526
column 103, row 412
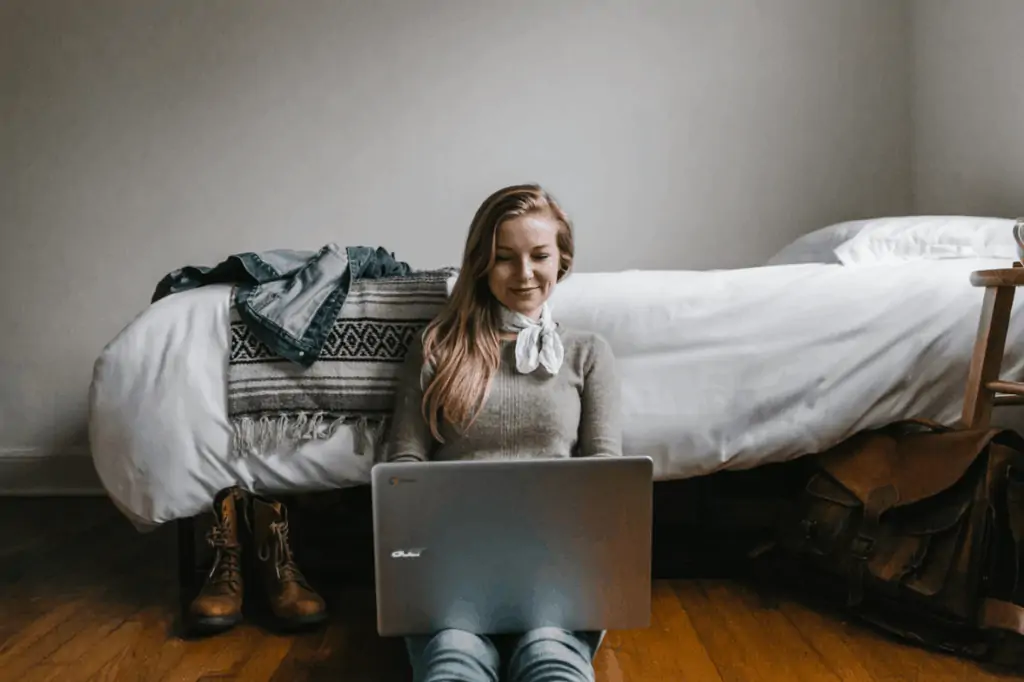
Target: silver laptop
column 506, row 546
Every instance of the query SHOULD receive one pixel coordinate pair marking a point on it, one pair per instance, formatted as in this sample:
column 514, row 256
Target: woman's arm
column 600, row 415
column 409, row 437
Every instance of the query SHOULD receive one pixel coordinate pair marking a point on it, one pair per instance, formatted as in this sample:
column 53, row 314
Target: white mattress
column 723, row 369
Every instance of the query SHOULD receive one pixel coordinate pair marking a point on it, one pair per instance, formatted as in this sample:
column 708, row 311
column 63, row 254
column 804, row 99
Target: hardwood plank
column 862, row 653
column 736, row 659
column 352, row 650
column 850, row 652
column 306, row 654
column 100, row 661
column 668, row 650
column 113, row 670
column 262, row 665
column 781, row 653
column 42, row 637
column 221, row 656
column 44, row 672
column 152, row 652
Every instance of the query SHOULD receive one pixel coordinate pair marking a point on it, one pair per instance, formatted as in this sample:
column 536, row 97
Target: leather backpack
column 918, row 529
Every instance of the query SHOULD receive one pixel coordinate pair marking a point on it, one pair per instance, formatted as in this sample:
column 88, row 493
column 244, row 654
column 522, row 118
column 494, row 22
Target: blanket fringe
column 284, row 433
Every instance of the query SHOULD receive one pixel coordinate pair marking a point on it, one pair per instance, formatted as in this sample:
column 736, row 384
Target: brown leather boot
column 291, row 597
column 218, row 606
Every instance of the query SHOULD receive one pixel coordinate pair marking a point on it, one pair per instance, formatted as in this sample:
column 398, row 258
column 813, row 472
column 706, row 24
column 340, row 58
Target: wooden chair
column 985, row 389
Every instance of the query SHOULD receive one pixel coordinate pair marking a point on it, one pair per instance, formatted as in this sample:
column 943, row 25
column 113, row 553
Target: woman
column 492, row 377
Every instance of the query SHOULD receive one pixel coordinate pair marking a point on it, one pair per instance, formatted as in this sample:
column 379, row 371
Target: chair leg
column 988, row 356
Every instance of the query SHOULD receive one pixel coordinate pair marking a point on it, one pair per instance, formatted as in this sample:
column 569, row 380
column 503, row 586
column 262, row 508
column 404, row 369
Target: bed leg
column 186, row 561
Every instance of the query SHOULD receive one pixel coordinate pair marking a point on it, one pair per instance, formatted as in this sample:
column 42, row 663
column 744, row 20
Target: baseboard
column 35, row 472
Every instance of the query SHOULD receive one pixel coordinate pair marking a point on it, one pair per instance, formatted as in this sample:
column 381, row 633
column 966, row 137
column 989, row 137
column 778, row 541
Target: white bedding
column 722, row 369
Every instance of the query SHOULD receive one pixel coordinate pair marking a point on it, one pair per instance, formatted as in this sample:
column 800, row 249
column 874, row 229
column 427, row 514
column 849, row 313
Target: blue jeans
column 541, row 655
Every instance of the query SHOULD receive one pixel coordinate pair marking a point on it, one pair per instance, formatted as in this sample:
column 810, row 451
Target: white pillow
column 818, row 246
column 903, row 239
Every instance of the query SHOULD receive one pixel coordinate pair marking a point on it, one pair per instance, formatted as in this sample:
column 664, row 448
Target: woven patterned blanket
column 275, row 405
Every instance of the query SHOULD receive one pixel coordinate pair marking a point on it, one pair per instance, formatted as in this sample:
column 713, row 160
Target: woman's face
column 525, row 263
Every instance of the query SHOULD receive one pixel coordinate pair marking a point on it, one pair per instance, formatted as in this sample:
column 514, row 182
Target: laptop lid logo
column 406, row 553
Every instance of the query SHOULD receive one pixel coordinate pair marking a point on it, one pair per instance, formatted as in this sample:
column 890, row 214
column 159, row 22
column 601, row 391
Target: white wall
column 969, row 107
column 141, row 135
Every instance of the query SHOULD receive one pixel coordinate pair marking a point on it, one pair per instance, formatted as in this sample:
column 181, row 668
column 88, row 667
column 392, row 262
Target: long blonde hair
column 462, row 345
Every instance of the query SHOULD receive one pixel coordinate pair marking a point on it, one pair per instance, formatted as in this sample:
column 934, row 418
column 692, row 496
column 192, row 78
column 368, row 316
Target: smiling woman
column 494, row 377
column 527, row 261
column 520, row 245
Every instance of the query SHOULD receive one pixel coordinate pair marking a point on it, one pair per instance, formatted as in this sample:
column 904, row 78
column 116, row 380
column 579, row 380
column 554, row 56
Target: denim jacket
column 289, row 299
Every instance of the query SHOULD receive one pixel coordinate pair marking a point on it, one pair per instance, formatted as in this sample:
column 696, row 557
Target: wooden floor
column 83, row 596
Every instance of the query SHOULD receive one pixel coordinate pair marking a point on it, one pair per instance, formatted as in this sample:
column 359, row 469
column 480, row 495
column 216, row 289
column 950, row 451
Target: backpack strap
column 998, row 614
column 1015, row 521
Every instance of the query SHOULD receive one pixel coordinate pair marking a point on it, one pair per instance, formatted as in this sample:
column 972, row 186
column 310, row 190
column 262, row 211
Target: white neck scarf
column 537, row 343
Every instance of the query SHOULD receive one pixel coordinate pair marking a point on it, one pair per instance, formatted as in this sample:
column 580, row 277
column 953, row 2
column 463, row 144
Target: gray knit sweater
column 572, row 414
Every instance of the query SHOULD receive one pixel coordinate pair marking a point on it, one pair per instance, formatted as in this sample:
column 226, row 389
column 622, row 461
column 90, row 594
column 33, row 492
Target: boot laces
column 284, row 562
column 225, row 567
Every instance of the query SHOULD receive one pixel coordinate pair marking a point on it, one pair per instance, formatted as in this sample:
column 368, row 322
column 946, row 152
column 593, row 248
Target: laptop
column 504, row 546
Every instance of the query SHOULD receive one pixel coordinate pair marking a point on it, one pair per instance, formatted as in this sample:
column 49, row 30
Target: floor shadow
column 68, row 547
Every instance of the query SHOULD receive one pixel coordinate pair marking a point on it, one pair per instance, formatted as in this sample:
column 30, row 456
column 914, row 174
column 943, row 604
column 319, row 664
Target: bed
column 721, row 369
